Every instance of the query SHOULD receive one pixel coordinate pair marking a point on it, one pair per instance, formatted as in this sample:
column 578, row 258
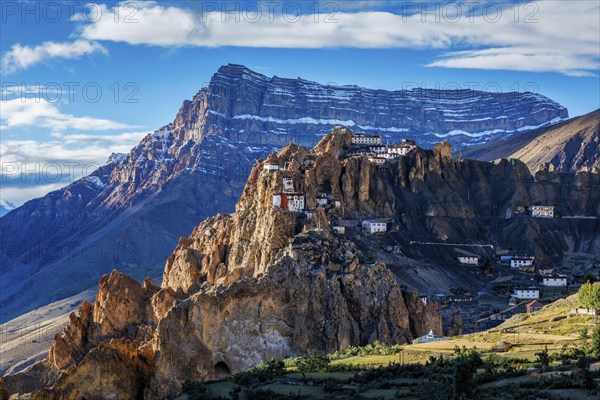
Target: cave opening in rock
column 222, row 370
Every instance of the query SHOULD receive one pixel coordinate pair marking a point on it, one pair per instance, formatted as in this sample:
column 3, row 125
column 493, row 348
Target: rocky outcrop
column 168, row 184
column 266, row 282
column 124, row 371
column 295, row 307
column 122, row 309
column 261, row 283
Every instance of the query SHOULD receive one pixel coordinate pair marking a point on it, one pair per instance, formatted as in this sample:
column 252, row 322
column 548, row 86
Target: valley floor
column 504, row 363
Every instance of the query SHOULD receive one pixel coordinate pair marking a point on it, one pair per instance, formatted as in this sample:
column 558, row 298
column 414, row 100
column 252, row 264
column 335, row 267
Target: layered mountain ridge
column 267, row 282
column 130, row 213
column 569, row 146
column 276, row 107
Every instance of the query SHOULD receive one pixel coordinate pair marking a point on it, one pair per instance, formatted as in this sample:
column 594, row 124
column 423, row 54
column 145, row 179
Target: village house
column 430, row 337
column 439, row 297
column 469, row 260
column 339, row 229
column 401, row 149
column 542, row 211
column 517, row 262
column 362, row 139
column 288, row 185
column 378, row 149
column 527, row 293
column 377, row 159
column 374, row 226
column 321, row 200
column 271, row 167
column 459, row 298
column 534, row 306
column 554, row 281
column 309, row 215
column 289, row 201
column 394, row 249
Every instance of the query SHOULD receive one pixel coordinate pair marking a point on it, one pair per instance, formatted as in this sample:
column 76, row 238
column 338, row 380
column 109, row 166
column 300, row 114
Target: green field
column 444, row 369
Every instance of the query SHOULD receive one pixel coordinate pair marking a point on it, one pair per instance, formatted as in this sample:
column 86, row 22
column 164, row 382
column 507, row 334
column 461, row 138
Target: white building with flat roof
column 469, row 260
column 554, row 281
column 377, row 159
column 527, row 293
column 542, row 211
column 517, row 262
column 401, row 149
column 374, row 226
column 362, row 139
column 289, row 201
column 379, row 149
column 271, row 167
column 288, row 185
column 322, row 201
column 339, row 229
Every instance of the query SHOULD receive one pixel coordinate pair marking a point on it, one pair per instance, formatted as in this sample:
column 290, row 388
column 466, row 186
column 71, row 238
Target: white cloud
column 84, row 148
column 17, row 195
column 513, row 41
column 519, row 60
column 22, row 57
column 31, row 168
column 44, row 114
column 149, row 24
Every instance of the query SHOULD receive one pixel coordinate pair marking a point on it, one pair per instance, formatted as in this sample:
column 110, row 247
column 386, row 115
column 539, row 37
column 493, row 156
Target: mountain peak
column 297, row 268
column 198, row 165
column 238, row 70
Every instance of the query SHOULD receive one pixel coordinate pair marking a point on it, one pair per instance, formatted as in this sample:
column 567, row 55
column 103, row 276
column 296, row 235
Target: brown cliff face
column 257, row 284
column 122, row 309
column 293, row 308
column 124, row 371
column 266, row 282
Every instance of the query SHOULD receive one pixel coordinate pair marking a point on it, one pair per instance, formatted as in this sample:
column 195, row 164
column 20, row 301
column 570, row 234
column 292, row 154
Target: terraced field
column 504, row 362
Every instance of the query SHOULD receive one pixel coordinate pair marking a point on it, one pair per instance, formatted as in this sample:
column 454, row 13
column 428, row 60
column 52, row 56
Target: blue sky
column 147, row 57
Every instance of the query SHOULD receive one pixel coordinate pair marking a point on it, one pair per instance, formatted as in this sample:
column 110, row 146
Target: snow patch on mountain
column 458, row 132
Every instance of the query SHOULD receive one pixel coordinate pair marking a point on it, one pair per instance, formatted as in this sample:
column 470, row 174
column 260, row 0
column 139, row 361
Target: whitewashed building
column 339, row 229
column 288, row 185
column 379, row 149
column 469, row 260
column 517, row 262
column 362, row 139
column 374, row 226
column 401, row 149
column 322, row 200
column 289, row 201
column 542, row 211
column 309, row 215
column 377, row 159
column 555, row 281
column 527, row 293
column 271, row 167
